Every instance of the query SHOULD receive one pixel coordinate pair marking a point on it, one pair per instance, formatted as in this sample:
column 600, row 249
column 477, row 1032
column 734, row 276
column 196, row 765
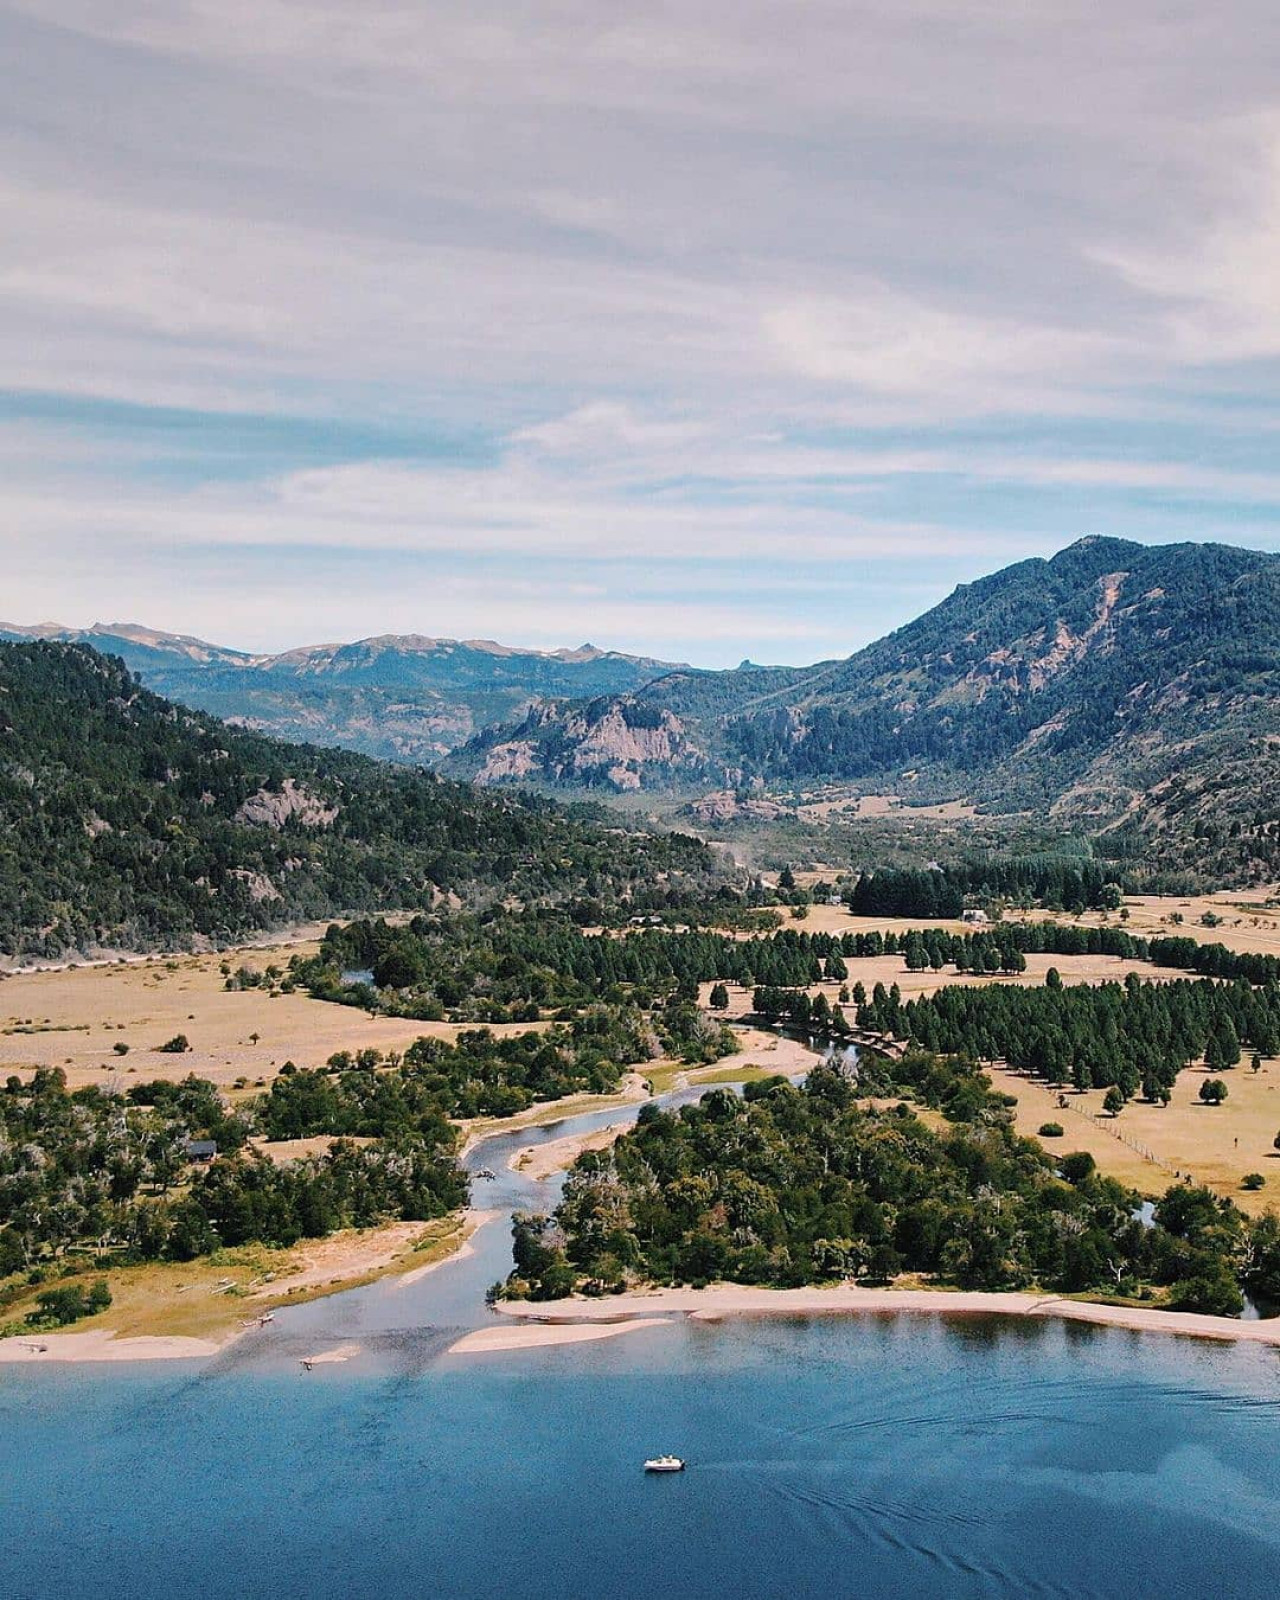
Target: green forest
column 519, row 966
column 128, row 822
column 94, row 1178
column 101, row 1176
column 786, row 1186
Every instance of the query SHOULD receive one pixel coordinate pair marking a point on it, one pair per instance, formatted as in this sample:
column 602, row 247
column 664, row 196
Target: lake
column 885, row 1456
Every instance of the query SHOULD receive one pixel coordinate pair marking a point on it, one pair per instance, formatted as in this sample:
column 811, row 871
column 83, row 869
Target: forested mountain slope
column 1119, row 685
column 127, row 821
column 402, row 698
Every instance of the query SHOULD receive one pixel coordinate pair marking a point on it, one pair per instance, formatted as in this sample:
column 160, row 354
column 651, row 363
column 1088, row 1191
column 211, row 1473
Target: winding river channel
column 450, row 1299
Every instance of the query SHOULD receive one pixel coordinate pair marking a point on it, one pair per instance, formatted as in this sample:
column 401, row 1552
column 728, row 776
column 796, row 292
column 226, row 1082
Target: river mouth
column 449, row 1300
column 432, row 1310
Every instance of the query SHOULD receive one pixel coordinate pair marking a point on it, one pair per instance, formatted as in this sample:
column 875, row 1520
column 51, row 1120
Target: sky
column 712, row 329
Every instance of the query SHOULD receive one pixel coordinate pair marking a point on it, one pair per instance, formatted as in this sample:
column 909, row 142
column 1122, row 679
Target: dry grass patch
column 83, row 1013
column 1217, row 1145
column 282, row 1151
column 888, row 970
column 1244, row 921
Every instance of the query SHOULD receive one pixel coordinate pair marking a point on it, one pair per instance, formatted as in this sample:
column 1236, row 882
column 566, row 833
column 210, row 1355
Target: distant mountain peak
column 404, row 697
column 1090, row 541
column 1113, row 685
column 35, row 630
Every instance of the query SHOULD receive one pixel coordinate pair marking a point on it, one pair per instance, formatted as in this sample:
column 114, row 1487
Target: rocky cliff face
column 605, row 745
column 272, row 808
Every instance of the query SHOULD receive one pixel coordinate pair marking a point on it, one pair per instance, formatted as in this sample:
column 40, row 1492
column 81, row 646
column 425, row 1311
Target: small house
column 975, row 919
column 200, row 1149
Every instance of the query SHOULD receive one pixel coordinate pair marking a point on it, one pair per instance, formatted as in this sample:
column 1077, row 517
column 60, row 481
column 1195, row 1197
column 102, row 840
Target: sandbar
column 101, row 1344
column 529, row 1335
column 542, row 1161
column 325, row 1358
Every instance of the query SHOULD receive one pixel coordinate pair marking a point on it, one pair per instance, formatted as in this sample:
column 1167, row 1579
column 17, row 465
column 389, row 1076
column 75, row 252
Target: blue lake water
column 886, row 1456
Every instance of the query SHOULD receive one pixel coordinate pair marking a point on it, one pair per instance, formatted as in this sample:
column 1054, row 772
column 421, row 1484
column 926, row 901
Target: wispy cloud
column 847, row 293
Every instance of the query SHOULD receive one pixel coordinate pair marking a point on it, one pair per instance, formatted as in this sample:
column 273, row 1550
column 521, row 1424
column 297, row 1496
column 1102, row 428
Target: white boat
column 664, row 1464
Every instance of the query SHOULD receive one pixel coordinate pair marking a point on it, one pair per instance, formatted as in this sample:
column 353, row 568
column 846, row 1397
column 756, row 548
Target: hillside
column 401, row 698
column 1117, row 686
column 129, row 822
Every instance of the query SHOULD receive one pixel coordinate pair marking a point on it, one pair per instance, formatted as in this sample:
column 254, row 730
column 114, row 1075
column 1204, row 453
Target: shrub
column 1077, row 1167
column 57, row 1307
column 1213, row 1091
column 1252, row 1180
column 1050, row 1130
column 120, row 1047
column 1212, row 1290
column 177, row 1046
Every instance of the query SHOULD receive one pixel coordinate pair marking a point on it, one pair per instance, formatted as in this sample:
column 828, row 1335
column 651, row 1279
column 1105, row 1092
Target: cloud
column 1220, row 292
column 884, row 342
column 934, row 282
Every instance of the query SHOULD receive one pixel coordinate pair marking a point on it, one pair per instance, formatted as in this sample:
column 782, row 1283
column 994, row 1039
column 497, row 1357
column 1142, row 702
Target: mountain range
column 400, row 697
column 1120, row 689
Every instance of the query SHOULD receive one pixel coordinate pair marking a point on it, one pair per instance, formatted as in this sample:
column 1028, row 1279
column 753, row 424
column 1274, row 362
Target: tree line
column 1062, row 883
column 519, row 966
column 1135, row 1036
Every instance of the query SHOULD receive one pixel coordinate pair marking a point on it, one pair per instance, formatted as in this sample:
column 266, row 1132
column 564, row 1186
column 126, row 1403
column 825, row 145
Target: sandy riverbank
column 633, row 1090
column 473, row 1221
column 101, row 1344
column 343, row 1261
column 723, row 1300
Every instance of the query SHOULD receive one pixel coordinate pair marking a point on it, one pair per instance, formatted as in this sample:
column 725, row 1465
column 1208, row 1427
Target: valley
column 639, row 801
column 471, row 963
column 77, row 1018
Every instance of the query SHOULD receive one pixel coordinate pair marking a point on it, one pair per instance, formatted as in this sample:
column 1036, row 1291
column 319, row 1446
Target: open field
column 1216, row 1145
column 1246, row 922
column 75, row 1018
column 889, row 970
column 1146, row 1146
column 850, row 808
column 283, row 1150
